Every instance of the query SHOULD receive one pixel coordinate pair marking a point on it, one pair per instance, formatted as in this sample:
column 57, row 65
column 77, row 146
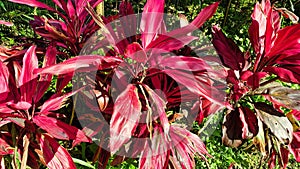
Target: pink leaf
column 55, row 103
column 185, row 63
column 5, row 148
column 168, row 43
column 155, row 152
column 55, row 155
column 60, row 130
column 33, row 3
column 6, row 23
column 185, row 145
column 158, row 106
column 258, row 26
column 151, row 20
column 22, row 105
column 45, row 79
column 125, row 117
column 71, row 9
column 27, row 80
column 83, row 63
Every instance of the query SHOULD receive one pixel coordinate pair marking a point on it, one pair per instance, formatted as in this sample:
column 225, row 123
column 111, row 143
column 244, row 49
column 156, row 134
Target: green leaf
column 83, row 163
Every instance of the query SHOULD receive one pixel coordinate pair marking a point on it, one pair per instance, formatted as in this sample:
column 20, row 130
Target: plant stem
column 73, row 110
column 226, row 13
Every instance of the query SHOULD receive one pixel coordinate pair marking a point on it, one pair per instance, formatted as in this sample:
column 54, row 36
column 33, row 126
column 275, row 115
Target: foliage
column 276, row 51
column 149, row 87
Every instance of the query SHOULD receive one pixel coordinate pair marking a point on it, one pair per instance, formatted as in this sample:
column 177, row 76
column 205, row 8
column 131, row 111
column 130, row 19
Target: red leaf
column 294, row 147
column 5, row 148
column 155, row 153
column 158, row 106
column 4, row 77
column 184, row 63
column 60, row 130
column 152, row 18
column 136, row 52
column 83, row 63
column 290, row 73
column 55, row 155
column 239, row 124
column 184, row 146
column 125, row 117
column 228, row 51
column 204, row 15
column 33, row 3
column 27, row 80
column 257, row 29
column 54, row 103
column 287, row 42
column 45, row 79
column 255, row 78
column 201, row 85
column 288, row 14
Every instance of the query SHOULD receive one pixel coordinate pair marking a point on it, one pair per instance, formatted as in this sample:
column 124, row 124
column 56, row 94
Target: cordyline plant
column 29, row 125
column 143, row 84
column 276, row 57
column 73, row 28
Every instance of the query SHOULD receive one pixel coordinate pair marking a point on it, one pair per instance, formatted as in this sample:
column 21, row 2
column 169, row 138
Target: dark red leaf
column 230, row 54
column 239, row 124
column 288, row 73
column 284, row 157
column 55, row 156
column 294, row 147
